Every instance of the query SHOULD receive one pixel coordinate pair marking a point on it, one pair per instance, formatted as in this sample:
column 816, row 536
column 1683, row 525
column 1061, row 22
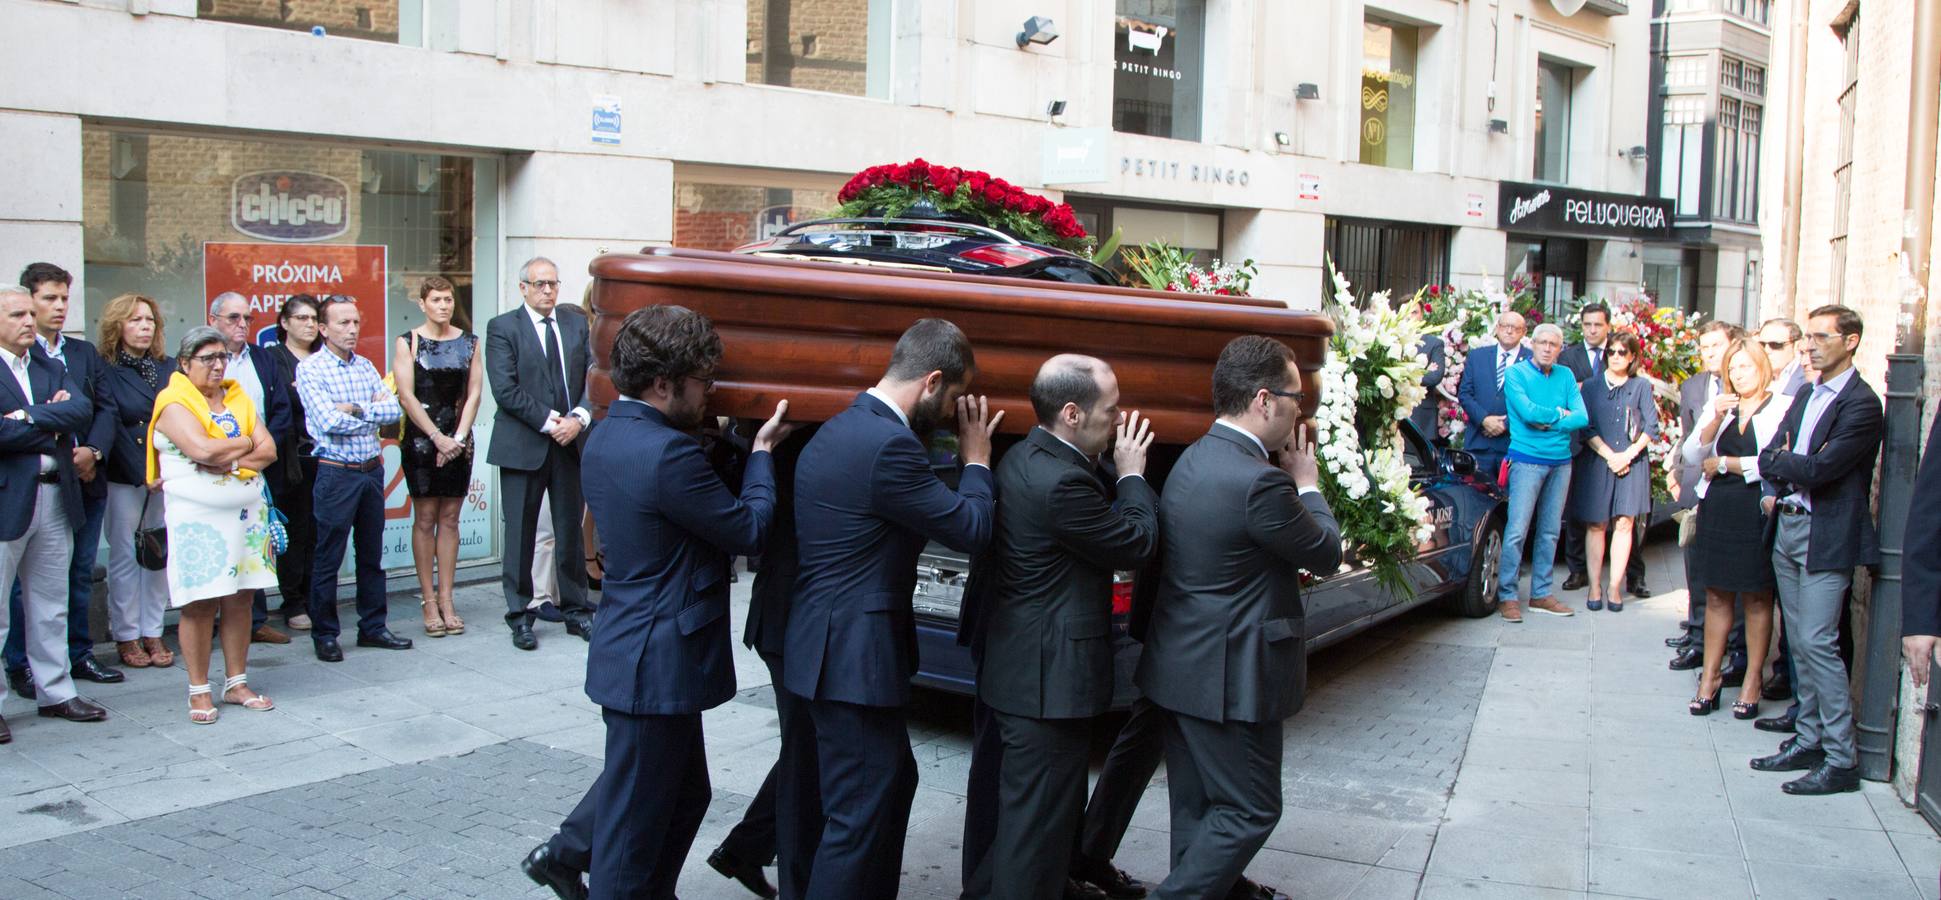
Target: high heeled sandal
column 258, row 703
column 133, row 654
column 159, row 654
column 454, row 624
column 1745, row 710
column 1704, row 706
column 202, row 716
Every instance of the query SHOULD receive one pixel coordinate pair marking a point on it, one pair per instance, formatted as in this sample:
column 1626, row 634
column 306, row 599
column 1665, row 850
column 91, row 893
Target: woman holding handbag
column 131, row 341
column 206, row 446
column 439, row 374
column 1609, row 495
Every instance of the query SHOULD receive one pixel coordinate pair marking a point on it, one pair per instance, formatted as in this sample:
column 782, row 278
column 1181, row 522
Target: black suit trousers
column 753, row 838
column 1129, row 767
column 868, row 780
column 520, row 493
column 799, row 819
column 1040, row 798
column 651, row 797
column 1224, row 780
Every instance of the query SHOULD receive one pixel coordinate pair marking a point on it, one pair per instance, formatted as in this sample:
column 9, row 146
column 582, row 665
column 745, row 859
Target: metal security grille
column 1398, row 257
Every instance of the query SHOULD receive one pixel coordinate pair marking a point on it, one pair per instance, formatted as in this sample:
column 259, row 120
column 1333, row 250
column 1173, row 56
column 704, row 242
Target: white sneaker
column 298, row 622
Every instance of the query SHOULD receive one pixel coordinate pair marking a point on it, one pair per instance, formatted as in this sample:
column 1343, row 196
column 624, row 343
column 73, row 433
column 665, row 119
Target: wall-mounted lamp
column 1283, row 139
column 1307, row 90
column 1633, row 153
column 1037, row 30
column 1055, row 108
column 1499, row 126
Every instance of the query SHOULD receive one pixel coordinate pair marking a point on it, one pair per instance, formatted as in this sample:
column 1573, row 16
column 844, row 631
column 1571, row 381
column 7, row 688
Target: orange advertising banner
column 267, row 274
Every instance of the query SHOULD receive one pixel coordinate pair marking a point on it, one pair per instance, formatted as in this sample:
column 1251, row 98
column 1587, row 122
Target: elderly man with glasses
column 256, row 371
column 1545, row 406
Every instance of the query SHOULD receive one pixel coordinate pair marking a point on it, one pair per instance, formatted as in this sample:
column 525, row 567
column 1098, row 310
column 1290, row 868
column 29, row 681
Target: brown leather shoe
column 1551, row 605
column 1511, row 611
column 76, row 709
column 268, row 635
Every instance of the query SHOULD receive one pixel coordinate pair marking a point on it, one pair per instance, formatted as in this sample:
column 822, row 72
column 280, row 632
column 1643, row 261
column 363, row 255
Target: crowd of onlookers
column 1780, row 435
column 218, row 467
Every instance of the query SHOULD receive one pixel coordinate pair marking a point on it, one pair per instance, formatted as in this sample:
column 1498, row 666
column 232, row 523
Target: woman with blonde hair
column 206, row 446
column 131, row 340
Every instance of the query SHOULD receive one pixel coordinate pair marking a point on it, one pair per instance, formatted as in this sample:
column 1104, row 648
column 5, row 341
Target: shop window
column 1398, row 257
column 1388, row 56
column 839, row 46
column 1556, row 82
column 1158, row 55
column 1553, row 267
column 725, row 216
column 390, row 21
column 1681, row 157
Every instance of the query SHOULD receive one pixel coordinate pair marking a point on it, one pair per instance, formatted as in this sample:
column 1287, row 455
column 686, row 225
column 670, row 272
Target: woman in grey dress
column 1608, row 496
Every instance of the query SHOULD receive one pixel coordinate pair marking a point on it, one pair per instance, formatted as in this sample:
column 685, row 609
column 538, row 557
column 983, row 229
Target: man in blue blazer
column 256, row 371
column 1480, row 391
column 662, row 653
column 49, row 284
column 41, row 407
column 866, row 502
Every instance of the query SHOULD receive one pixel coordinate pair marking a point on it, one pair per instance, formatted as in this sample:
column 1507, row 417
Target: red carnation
column 994, row 192
column 1434, row 291
column 977, row 181
column 900, row 174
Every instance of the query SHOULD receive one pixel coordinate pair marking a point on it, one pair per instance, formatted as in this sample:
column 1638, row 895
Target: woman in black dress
column 1608, row 497
column 294, row 476
column 1728, row 552
column 439, row 370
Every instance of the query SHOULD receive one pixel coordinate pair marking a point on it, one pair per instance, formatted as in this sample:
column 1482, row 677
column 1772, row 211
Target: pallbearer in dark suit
column 536, row 364
column 1046, row 663
column 866, row 502
column 662, row 653
column 1225, row 651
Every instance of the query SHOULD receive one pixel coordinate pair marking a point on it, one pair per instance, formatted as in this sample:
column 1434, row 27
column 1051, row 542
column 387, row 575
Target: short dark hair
column 932, row 345
column 289, row 307
column 37, row 274
column 328, row 303
column 1844, row 318
column 1249, row 364
column 1631, row 345
column 1075, row 381
column 1595, row 307
column 434, row 283
column 668, row 342
column 1732, row 332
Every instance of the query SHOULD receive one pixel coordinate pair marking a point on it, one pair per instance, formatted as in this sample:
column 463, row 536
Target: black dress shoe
column 549, row 612
column 580, row 624
column 1108, row 878
column 1778, row 688
column 747, row 873
column 522, row 636
column 1680, row 640
column 328, row 650
column 6, row 735
column 547, row 871
column 1825, row 779
column 1082, row 890
column 1784, row 723
column 1577, row 581
column 1791, row 758
column 1635, row 587
column 21, row 681
column 384, row 640
column 1687, row 659
column 89, row 669
column 75, row 710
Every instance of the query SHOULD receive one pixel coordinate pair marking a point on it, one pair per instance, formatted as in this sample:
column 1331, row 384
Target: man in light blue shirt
column 1545, row 406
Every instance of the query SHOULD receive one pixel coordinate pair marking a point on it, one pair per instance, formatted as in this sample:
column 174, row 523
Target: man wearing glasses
column 1545, row 406
column 536, row 362
column 255, row 371
column 1781, row 339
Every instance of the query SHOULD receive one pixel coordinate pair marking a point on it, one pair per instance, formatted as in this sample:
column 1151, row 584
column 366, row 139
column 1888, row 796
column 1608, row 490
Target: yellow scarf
column 181, row 390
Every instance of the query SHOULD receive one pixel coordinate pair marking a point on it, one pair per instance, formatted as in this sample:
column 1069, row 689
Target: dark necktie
column 1597, row 360
column 555, row 366
column 1503, row 360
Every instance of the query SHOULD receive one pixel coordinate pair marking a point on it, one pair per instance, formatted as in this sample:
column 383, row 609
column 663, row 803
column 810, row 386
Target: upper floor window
column 1679, row 6
column 1681, row 157
column 1738, row 155
column 1556, row 82
column 393, row 22
column 1758, row 12
column 1388, row 54
column 839, row 46
column 1686, row 72
column 1158, row 55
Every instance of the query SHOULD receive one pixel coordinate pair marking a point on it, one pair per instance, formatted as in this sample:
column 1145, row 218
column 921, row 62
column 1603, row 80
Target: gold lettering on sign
column 1373, row 132
column 1374, row 99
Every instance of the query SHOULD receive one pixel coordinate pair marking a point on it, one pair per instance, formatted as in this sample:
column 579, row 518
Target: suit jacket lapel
column 1824, row 427
column 13, row 387
column 1050, row 443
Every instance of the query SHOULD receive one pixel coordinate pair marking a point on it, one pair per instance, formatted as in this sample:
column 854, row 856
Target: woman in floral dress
column 207, row 444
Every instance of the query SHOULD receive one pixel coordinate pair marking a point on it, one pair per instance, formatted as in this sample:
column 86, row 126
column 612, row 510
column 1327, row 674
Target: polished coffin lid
column 818, row 333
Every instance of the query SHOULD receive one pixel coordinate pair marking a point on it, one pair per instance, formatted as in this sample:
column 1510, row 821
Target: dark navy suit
column 22, row 444
column 662, row 652
column 1481, row 396
column 866, row 502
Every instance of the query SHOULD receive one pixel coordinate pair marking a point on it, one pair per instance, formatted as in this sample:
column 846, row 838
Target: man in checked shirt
column 344, row 403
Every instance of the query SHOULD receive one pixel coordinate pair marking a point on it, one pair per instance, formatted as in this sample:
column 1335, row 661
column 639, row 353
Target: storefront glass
column 1553, row 267
column 723, row 216
column 182, row 218
column 1157, row 50
column 399, row 22
column 840, row 46
column 1388, row 94
column 1555, row 83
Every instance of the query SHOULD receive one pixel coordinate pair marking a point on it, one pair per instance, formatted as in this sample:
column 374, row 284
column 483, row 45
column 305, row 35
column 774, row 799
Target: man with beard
column 1045, row 661
column 866, row 503
column 662, row 652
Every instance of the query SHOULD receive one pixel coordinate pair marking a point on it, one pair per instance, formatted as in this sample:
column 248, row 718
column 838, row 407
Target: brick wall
column 828, row 44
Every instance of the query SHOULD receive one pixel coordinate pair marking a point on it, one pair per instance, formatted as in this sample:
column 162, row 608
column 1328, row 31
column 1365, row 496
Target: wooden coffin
column 818, row 333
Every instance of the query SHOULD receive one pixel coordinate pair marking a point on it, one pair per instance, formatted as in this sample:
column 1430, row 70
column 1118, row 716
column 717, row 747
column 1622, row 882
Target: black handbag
column 151, row 544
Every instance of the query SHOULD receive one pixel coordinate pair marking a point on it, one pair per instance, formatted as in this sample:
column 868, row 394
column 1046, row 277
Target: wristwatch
column 357, row 410
column 94, row 450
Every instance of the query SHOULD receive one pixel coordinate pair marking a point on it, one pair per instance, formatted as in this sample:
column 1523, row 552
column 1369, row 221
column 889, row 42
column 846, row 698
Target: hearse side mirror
column 1462, row 462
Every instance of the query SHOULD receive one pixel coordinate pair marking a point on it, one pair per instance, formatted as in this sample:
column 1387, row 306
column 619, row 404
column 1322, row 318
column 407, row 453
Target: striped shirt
column 325, row 380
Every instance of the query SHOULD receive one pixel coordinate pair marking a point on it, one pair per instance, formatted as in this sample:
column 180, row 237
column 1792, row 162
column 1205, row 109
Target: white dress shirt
column 242, row 370
column 1817, row 403
column 17, row 367
column 539, row 329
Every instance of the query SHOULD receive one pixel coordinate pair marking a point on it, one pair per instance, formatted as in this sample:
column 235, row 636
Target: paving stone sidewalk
column 1436, row 757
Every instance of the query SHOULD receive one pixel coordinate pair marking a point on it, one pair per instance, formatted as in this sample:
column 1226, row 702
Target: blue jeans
column 80, row 591
column 1538, row 491
column 350, row 509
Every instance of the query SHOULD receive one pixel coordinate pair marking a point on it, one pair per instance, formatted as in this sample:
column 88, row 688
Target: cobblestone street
column 1437, row 757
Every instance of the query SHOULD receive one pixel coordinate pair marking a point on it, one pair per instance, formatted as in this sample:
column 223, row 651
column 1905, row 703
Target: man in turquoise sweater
column 1544, row 408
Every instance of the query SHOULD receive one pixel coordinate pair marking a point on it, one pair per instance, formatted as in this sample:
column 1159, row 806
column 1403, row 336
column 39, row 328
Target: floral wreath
column 892, row 190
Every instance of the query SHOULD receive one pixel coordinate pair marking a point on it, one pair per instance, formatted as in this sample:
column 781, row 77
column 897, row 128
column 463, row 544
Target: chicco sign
column 290, row 206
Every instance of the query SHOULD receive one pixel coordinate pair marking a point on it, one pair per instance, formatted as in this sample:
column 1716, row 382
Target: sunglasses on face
column 1620, row 351
column 1774, row 345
